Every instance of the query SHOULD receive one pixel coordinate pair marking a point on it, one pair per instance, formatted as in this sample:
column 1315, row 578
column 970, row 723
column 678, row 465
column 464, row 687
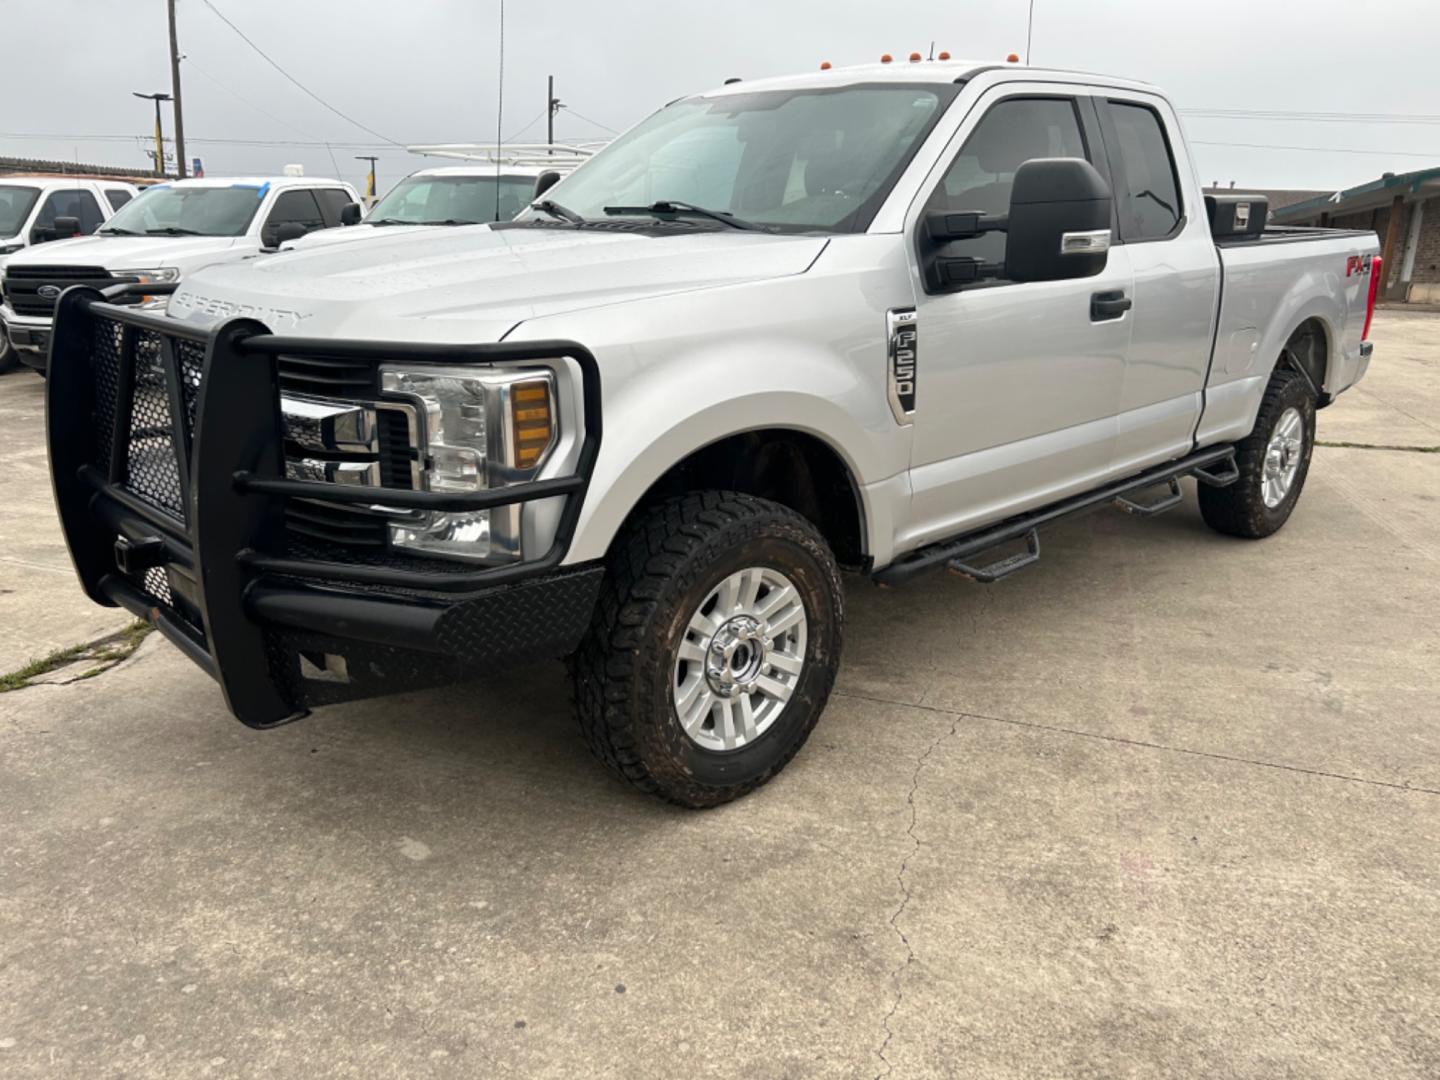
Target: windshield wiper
column 447, row 221
column 555, row 210
column 669, row 208
column 173, row 230
column 387, row 221
column 110, row 230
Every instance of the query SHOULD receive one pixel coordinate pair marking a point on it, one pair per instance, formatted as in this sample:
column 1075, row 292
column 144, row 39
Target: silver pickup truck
column 887, row 318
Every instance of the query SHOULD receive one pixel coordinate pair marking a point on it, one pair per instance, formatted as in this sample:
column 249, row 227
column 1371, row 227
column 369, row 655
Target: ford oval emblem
column 48, row 292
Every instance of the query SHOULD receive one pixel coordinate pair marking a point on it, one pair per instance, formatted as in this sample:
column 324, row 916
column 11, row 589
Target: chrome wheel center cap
column 736, row 656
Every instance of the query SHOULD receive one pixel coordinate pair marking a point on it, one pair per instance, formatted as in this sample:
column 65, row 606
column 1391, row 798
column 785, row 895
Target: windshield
column 15, row 204
column 188, row 211
column 435, row 200
column 792, row 160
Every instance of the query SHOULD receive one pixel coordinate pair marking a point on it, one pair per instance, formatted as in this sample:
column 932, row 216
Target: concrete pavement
column 1167, row 804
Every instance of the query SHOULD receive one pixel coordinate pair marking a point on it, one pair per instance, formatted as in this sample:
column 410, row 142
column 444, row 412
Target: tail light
column 1375, row 275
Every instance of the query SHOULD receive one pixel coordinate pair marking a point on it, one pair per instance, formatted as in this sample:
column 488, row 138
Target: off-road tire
column 1239, row 509
column 658, row 573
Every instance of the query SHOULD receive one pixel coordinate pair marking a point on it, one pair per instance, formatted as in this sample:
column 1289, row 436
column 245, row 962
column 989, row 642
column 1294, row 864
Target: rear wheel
column 1273, row 460
column 713, row 649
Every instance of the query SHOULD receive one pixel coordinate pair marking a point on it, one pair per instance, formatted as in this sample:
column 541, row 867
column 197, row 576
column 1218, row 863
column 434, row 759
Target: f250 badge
column 901, row 329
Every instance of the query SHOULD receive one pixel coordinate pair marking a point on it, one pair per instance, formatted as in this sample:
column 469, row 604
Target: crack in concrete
column 898, row 975
column 1378, row 446
column 1143, row 744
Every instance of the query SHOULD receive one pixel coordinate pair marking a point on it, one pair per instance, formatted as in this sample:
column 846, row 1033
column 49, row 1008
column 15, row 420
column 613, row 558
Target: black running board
column 1214, row 465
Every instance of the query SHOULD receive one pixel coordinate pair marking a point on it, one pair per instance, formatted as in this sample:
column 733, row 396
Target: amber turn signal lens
column 531, row 418
column 944, row 56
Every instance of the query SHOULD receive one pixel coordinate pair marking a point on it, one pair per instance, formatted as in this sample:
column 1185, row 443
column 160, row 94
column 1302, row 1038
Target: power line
column 190, row 62
column 350, row 119
column 579, row 116
column 1312, row 117
column 1317, row 149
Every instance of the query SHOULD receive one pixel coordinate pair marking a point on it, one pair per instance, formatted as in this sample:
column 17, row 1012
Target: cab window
column 80, row 205
column 332, row 201
column 296, row 206
column 1146, row 186
column 118, row 197
column 983, row 172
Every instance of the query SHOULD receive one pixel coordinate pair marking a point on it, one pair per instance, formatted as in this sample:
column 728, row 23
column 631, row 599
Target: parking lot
column 1167, row 804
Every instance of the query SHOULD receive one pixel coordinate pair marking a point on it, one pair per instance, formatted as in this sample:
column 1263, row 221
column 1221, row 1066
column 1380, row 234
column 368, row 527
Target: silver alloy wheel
column 1282, row 457
column 740, row 659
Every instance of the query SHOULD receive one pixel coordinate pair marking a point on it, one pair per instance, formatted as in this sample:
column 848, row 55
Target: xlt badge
column 901, row 329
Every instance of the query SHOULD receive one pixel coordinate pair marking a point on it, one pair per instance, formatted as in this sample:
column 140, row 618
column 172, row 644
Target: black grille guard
column 231, row 475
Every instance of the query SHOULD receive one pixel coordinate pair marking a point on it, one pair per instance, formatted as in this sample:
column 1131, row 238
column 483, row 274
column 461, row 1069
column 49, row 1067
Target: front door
column 1018, row 383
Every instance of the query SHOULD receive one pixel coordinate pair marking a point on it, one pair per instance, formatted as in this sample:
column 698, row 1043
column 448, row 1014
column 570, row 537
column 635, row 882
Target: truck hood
column 351, row 233
column 134, row 252
column 473, row 284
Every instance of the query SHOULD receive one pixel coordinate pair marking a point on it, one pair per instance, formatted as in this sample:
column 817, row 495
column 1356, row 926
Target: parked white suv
column 31, row 207
column 165, row 233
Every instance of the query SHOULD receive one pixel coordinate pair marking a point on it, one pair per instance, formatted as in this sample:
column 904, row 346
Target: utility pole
column 370, row 181
column 159, row 133
column 175, row 90
column 553, row 107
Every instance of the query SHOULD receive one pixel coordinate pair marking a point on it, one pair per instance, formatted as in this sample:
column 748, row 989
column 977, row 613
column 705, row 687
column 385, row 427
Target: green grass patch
column 106, row 652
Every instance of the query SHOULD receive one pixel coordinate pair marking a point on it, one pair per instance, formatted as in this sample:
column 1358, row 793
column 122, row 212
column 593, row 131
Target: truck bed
column 1269, row 285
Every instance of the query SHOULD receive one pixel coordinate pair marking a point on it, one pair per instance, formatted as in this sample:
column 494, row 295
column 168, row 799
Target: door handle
column 1109, row 305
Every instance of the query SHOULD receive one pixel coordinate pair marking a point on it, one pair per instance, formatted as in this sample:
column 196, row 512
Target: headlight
column 481, row 429
column 165, row 275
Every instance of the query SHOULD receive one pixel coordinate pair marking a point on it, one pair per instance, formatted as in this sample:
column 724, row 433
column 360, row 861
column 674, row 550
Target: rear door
column 1018, row 383
column 1177, row 278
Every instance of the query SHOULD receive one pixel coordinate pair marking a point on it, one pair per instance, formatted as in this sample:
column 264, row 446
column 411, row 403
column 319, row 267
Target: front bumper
column 213, row 567
column 29, row 337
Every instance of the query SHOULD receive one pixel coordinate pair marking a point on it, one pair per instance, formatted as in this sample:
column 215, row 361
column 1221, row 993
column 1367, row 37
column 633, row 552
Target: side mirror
column 66, row 227
column 1059, row 222
column 272, row 236
column 351, row 213
column 545, row 181
column 42, row 234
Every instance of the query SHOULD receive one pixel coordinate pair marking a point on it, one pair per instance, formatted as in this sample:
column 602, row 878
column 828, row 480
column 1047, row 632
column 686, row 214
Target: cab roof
column 255, row 181
column 921, row 72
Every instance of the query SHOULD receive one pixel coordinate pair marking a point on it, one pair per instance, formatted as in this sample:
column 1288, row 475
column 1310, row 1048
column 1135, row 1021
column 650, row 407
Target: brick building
column 1404, row 211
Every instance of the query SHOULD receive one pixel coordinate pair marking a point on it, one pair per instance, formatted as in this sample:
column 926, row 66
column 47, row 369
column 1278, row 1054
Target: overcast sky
column 426, row 71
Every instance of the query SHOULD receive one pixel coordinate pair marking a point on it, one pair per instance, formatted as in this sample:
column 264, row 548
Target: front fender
column 654, row 423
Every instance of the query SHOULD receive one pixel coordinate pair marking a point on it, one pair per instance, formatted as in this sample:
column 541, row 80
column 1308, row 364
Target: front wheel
column 1273, row 460
column 713, row 648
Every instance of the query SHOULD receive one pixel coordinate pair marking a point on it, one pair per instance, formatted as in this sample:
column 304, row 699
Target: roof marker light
column 825, row 65
column 885, row 58
column 944, row 56
column 915, row 58
column 1013, row 58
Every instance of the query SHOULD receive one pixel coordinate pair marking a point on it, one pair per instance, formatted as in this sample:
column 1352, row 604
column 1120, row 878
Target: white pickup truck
column 167, row 232
column 886, row 318
column 38, row 209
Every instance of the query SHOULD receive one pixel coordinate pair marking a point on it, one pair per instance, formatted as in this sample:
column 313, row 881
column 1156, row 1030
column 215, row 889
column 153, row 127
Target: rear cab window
column 117, row 197
column 1146, row 183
